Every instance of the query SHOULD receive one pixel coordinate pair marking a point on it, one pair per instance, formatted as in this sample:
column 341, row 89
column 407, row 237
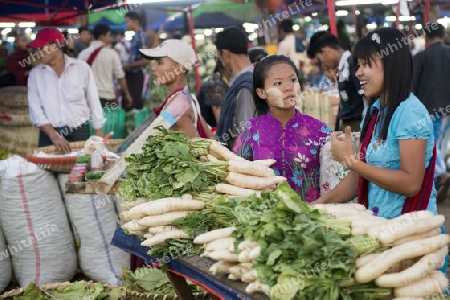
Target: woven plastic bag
column 5, row 264
column 332, row 171
column 94, row 219
column 35, row 224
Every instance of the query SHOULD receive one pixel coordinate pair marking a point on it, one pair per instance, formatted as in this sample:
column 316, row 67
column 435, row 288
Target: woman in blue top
column 393, row 174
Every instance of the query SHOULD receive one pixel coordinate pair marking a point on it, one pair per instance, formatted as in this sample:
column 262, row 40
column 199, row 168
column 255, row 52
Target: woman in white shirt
column 62, row 95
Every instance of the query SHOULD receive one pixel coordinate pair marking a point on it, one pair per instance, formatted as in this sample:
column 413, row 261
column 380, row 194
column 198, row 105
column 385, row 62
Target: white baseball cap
column 178, row 50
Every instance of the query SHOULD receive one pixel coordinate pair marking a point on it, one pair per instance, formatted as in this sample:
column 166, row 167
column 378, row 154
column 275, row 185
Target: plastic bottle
column 96, row 161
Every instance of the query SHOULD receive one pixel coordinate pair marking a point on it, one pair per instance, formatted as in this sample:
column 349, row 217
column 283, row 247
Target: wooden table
column 87, row 187
column 201, row 266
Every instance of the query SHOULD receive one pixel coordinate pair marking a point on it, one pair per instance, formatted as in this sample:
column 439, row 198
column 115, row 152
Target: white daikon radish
column 127, row 205
column 167, row 205
column 342, row 207
column 164, row 219
column 250, row 276
column 160, row 238
column 360, row 230
column 243, row 256
column 434, row 283
column 392, row 231
column 224, row 255
column 265, row 162
column 139, row 233
column 148, row 235
column 390, row 257
column 238, row 270
column 247, row 244
column 250, row 168
column 426, row 265
column 186, row 196
column 368, row 222
column 133, row 225
column 361, row 261
column 255, row 253
column 125, row 216
column 233, row 277
column 161, row 229
column 212, row 157
column 415, row 215
column 221, row 267
column 257, row 287
column 247, row 266
column 233, row 190
column 206, row 253
column 416, row 237
column 220, row 151
column 253, row 182
column 219, row 244
column 214, row 235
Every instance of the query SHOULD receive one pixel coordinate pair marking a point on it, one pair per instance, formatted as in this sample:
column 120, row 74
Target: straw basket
column 64, row 164
column 125, row 294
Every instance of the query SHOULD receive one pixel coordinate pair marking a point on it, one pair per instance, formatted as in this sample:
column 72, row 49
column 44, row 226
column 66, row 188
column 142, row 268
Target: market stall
column 265, row 239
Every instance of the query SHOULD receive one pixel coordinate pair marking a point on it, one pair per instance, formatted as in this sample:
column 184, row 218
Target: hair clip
column 376, row 38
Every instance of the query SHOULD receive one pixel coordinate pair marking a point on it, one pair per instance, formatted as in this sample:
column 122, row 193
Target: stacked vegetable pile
column 171, row 164
column 171, row 171
column 416, row 249
column 307, row 253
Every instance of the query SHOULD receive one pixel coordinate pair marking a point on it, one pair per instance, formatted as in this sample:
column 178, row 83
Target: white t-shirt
column 106, row 67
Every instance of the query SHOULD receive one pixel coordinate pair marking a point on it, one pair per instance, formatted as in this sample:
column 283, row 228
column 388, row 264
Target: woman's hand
column 320, row 200
column 342, row 148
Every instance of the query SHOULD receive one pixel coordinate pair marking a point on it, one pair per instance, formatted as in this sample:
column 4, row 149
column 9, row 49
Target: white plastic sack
column 5, row 264
column 332, row 171
column 94, row 218
column 34, row 223
column 118, row 202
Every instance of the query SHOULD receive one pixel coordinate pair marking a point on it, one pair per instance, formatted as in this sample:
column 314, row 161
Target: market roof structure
column 48, row 12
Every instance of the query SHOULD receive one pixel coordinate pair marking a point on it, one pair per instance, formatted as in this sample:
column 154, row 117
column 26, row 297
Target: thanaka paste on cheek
column 297, row 92
column 275, row 97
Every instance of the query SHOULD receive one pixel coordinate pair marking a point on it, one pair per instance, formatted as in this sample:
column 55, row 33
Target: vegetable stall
column 197, row 211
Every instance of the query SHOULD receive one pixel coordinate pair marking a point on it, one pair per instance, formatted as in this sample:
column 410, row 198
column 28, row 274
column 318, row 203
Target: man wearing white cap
column 172, row 61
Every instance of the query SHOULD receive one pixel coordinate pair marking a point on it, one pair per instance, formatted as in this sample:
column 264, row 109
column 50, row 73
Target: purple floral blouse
column 296, row 149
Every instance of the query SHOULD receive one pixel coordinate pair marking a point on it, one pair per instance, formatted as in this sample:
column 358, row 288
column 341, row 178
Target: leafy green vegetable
column 32, row 292
column 85, row 159
column 74, row 291
column 150, row 280
column 305, row 254
column 94, row 175
column 169, row 166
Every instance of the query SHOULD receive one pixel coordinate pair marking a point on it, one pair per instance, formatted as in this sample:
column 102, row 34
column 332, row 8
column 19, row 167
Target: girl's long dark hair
column 259, row 78
column 389, row 45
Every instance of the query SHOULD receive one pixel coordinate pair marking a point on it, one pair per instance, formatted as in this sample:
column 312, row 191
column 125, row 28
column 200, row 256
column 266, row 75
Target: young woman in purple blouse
column 281, row 132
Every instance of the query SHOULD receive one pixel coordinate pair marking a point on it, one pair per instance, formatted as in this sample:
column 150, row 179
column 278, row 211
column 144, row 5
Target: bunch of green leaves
column 301, row 256
column 76, row 290
column 169, row 167
column 150, row 280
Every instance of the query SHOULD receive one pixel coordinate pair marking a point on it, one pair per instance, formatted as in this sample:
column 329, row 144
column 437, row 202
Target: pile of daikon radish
column 244, row 177
column 150, row 219
column 219, row 245
column 416, row 249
